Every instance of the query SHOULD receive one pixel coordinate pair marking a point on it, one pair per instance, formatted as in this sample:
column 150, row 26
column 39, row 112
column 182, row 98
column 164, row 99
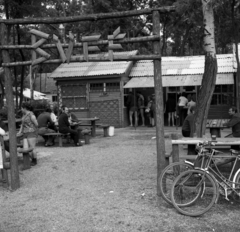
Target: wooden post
column 34, row 57
column 175, row 149
column 161, row 161
column 15, row 181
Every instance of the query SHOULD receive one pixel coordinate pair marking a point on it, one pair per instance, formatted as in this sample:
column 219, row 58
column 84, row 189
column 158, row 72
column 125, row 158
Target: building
column 99, row 88
column 92, row 89
column 184, row 74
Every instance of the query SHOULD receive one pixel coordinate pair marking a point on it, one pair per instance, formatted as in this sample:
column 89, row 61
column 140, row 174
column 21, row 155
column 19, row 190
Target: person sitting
column 44, row 124
column 53, row 115
column 64, row 126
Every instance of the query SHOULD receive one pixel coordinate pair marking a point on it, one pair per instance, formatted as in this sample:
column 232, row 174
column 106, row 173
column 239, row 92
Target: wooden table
column 84, row 122
column 215, row 126
column 219, row 143
column 18, row 122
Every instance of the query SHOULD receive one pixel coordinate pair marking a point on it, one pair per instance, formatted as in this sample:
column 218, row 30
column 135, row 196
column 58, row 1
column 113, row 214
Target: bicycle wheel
column 168, row 175
column 236, row 186
column 194, row 192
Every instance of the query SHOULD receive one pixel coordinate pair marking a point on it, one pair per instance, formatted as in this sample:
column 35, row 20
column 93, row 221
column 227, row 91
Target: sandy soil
column 109, row 185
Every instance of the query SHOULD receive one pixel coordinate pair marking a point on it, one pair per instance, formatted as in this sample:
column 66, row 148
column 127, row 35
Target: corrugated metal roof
column 83, row 69
column 173, row 81
column 189, row 65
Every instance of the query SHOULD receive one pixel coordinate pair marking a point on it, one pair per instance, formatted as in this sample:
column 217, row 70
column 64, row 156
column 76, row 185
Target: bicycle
column 173, row 170
column 195, row 191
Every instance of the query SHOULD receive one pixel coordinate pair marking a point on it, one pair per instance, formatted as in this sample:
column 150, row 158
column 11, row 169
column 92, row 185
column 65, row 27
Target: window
column 74, row 96
column 174, row 89
column 98, row 87
column 54, row 98
column 105, row 87
column 113, row 87
column 223, row 95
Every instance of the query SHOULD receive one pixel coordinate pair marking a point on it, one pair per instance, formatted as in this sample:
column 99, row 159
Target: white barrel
column 111, row 131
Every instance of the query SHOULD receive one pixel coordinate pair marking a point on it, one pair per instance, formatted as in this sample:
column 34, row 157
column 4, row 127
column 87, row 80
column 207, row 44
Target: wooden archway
column 38, row 47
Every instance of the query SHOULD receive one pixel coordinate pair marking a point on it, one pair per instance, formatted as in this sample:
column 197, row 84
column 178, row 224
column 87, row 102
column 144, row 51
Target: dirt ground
column 109, row 185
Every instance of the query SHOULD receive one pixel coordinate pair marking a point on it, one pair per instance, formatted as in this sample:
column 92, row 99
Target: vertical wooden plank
column 15, row 181
column 110, row 52
column 175, row 149
column 34, row 57
column 85, row 51
column 161, row 161
column 70, row 47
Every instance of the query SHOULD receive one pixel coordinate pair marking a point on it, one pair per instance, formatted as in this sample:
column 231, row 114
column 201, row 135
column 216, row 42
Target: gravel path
column 109, row 185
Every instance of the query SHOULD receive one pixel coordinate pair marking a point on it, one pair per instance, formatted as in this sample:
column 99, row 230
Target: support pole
column 161, row 161
column 15, row 181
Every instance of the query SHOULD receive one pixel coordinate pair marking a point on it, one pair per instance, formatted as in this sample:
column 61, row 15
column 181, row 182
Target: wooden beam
column 97, row 58
column 96, row 43
column 15, row 181
column 89, row 17
column 90, row 38
column 160, row 141
column 70, row 47
column 39, row 43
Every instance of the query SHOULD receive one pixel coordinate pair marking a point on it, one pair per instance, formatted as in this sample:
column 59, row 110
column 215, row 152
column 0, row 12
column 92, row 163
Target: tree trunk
column 210, row 70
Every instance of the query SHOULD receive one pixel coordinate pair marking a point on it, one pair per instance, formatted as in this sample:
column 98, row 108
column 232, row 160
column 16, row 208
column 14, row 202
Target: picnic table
column 215, row 126
column 92, row 124
column 17, row 120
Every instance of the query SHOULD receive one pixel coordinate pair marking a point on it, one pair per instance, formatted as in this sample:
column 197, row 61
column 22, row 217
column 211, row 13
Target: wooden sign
column 111, row 46
column 86, row 48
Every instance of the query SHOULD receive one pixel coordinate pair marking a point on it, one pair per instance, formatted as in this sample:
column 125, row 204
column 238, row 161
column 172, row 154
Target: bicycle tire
column 168, row 175
column 194, row 192
column 236, row 186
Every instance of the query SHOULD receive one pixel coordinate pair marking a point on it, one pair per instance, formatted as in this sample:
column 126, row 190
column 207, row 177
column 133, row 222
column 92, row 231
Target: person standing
column 191, row 103
column 188, row 124
column 170, row 109
column 133, row 109
column 64, row 126
column 188, row 129
column 29, row 129
column 182, row 103
column 140, row 102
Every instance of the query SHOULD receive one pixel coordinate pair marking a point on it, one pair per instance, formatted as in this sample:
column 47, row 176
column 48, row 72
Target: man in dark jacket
column 234, row 121
column 64, row 126
column 44, row 123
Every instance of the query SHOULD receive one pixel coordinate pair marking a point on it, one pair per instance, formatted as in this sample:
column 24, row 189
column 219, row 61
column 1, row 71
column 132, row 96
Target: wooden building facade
column 184, row 74
column 94, row 89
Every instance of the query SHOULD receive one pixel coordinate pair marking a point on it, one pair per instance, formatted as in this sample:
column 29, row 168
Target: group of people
column 179, row 109
column 45, row 123
column 137, row 109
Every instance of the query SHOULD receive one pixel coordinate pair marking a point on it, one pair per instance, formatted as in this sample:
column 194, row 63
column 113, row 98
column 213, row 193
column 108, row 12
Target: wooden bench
column 59, row 135
column 105, row 129
column 104, row 126
column 86, row 133
column 220, row 143
column 26, row 157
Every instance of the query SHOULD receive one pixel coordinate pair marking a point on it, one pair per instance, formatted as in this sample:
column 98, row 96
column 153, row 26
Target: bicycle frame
column 217, row 175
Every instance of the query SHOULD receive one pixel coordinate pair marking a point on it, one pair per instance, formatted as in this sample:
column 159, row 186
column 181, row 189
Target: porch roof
column 174, row 81
column 85, row 69
column 187, row 65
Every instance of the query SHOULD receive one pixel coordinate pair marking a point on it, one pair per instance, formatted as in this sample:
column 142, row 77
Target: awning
column 175, row 81
column 36, row 95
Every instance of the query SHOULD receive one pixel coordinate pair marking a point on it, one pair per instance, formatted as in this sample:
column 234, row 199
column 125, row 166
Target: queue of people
column 142, row 110
column 139, row 109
